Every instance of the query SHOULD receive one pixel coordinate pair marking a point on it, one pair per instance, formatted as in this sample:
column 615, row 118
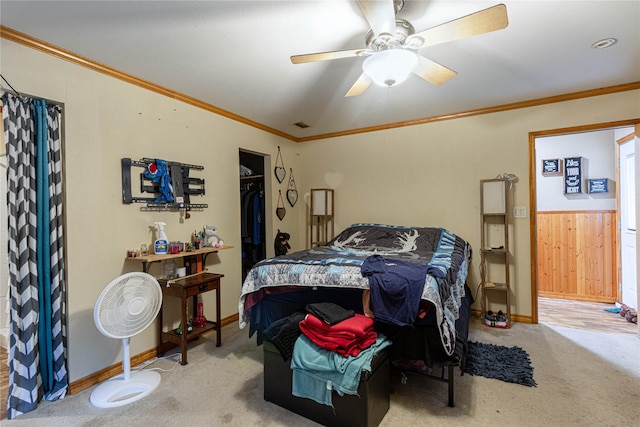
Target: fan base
column 119, row 392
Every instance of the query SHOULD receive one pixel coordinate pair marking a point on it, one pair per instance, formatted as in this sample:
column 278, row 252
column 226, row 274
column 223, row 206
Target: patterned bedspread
column 338, row 264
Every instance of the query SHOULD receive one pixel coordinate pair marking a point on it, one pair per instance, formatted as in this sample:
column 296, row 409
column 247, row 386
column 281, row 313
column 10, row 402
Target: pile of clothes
column 347, row 333
column 331, row 348
column 629, row 313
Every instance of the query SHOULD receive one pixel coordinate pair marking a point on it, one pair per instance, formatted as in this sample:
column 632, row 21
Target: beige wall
column 429, row 174
column 106, row 120
column 420, row 175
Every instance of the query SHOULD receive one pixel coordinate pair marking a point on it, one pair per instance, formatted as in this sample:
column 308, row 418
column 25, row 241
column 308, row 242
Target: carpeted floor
column 509, row 364
column 582, row 380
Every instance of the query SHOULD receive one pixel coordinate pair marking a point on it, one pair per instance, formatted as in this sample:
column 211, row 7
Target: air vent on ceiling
column 604, row 43
column 301, row 125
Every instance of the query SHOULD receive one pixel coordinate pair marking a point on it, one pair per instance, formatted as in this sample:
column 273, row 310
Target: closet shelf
column 252, row 178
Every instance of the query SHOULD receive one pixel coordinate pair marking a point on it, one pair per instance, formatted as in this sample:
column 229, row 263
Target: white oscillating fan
column 126, row 307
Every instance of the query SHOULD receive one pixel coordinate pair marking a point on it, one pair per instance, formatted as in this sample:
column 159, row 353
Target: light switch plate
column 519, row 212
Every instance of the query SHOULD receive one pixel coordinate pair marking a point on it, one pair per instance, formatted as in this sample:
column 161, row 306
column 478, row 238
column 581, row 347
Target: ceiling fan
column 392, row 44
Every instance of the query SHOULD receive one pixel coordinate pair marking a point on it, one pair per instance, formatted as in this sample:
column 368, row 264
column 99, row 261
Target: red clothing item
column 347, row 338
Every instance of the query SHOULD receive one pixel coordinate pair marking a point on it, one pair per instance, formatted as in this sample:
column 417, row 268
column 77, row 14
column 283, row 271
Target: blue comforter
column 338, row 265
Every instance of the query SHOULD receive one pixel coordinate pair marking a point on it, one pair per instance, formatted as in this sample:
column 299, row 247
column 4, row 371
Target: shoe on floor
column 490, row 318
column 501, row 320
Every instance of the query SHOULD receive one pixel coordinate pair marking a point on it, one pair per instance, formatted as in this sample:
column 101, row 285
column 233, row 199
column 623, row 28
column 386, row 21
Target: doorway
column 554, row 266
column 254, row 220
column 628, row 227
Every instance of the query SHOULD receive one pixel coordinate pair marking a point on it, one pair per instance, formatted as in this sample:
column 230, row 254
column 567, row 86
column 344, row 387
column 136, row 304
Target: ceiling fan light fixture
column 390, row 67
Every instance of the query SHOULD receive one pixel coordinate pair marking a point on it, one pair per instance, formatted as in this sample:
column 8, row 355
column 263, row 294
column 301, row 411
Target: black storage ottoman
column 367, row 409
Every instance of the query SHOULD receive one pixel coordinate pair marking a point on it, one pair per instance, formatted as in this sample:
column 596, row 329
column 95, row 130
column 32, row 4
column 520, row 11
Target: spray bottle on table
column 161, row 244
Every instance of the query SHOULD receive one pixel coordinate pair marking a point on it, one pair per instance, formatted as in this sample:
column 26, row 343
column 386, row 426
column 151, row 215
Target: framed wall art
column 552, row 167
column 598, row 185
column 573, row 175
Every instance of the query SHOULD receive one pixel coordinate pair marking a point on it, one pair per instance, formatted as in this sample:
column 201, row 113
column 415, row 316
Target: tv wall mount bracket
column 183, row 186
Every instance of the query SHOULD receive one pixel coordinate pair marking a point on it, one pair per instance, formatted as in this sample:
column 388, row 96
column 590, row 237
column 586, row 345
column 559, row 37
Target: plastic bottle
column 161, row 244
column 169, row 269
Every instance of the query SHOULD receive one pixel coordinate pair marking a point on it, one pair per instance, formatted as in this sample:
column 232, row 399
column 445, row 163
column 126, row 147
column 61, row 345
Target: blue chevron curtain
column 37, row 341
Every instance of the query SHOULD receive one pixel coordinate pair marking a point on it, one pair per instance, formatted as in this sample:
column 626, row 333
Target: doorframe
column 533, row 212
column 267, row 162
column 619, row 142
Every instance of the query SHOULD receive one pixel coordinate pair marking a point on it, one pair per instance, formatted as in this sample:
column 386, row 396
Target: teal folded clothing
column 317, row 372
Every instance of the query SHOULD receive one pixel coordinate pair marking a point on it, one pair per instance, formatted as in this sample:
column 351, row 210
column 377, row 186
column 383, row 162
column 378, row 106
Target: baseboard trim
column 576, row 297
column 514, row 317
column 113, row 370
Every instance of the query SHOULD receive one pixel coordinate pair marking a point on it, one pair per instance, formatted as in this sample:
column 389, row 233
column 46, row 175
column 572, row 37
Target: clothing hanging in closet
column 252, row 197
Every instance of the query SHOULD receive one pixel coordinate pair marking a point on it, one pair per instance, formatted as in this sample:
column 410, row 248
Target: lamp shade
column 390, row 67
column 493, row 197
column 322, row 201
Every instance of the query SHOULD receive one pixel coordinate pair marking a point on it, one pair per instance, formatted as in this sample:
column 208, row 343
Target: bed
column 341, row 272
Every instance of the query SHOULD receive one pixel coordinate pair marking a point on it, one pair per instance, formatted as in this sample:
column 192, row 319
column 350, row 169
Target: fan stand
column 127, row 387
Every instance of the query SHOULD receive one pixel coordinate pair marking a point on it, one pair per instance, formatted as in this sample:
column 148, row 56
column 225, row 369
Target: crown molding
column 26, row 40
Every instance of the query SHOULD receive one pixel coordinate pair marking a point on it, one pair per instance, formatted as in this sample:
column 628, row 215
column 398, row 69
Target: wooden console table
column 185, row 288
column 197, row 282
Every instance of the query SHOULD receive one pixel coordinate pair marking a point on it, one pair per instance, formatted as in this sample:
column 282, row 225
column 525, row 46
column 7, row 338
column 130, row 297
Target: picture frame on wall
column 573, row 175
column 598, row 185
column 551, row 167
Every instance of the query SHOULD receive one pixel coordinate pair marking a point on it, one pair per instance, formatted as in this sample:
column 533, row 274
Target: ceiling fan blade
column 325, row 56
column 359, row 86
column 433, row 72
column 487, row 20
column 380, row 15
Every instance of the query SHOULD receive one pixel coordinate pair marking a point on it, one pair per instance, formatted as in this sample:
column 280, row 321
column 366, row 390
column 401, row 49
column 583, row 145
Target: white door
column 628, row 224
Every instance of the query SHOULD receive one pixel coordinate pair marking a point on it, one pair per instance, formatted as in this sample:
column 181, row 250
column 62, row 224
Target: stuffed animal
column 281, row 243
column 211, row 239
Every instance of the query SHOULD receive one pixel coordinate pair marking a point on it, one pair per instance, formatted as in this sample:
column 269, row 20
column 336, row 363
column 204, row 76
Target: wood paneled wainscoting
column 577, row 255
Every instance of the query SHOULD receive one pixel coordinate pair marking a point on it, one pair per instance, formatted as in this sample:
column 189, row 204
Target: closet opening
column 254, row 219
